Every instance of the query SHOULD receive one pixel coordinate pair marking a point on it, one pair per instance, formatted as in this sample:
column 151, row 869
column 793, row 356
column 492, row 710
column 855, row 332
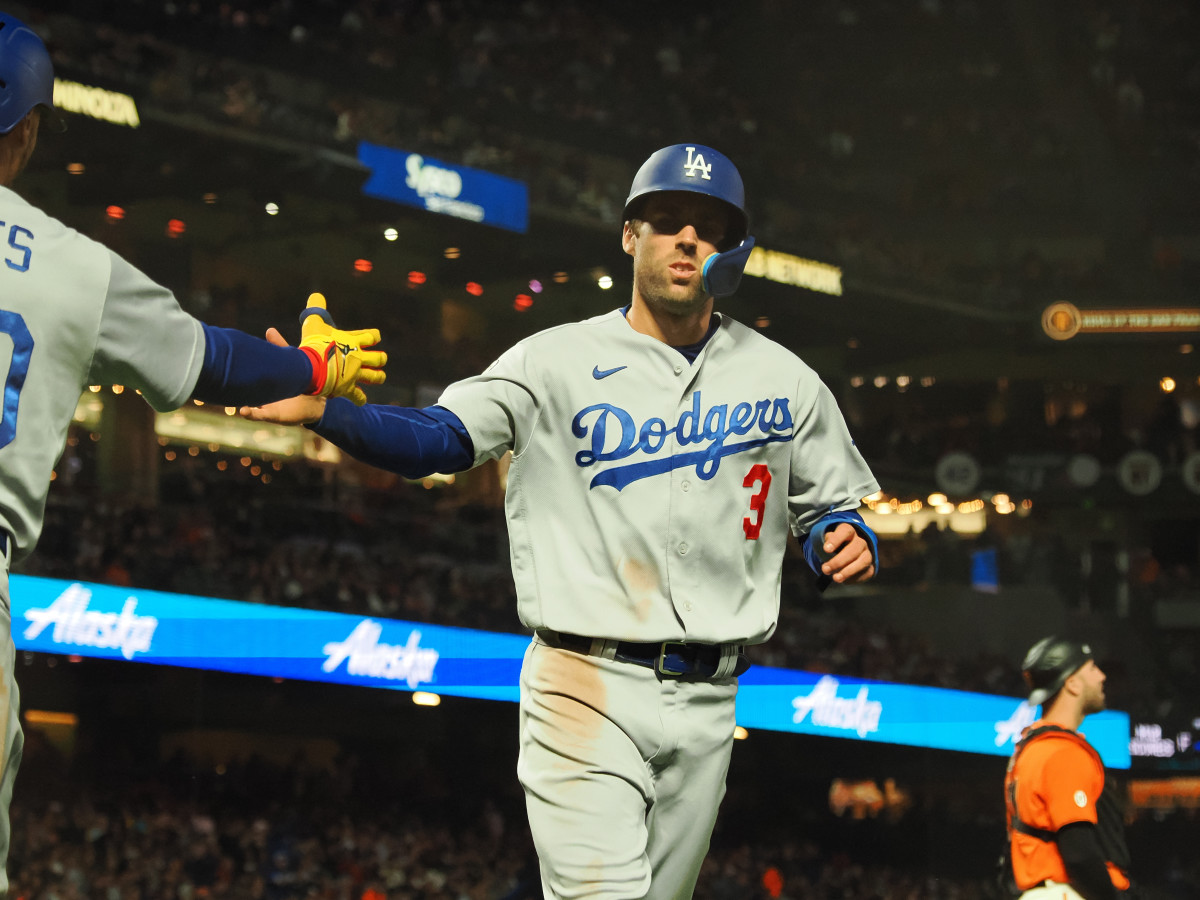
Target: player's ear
column 628, row 235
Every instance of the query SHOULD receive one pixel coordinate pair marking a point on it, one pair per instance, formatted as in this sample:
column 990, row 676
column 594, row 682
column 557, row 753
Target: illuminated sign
column 96, row 103
column 77, row 626
column 1149, row 741
column 859, row 715
column 1063, row 321
column 75, row 618
column 109, row 622
column 364, row 654
column 795, row 270
column 472, row 194
column 820, row 704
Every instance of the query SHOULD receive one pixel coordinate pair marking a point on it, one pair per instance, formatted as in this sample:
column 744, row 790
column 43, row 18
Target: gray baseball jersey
column 73, row 313
column 649, row 499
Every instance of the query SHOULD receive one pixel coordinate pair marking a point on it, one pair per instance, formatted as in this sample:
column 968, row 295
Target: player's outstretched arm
column 411, row 442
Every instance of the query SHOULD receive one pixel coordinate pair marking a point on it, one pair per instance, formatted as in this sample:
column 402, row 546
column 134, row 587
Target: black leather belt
column 670, row 659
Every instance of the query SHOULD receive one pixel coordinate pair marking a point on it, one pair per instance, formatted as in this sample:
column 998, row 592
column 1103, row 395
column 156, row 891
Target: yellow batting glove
column 339, row 361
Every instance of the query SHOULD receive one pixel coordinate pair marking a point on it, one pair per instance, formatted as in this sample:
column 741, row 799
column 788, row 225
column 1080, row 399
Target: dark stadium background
column 964, row 164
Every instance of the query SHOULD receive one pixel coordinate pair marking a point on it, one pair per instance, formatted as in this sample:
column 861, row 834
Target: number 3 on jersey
column 760, row 475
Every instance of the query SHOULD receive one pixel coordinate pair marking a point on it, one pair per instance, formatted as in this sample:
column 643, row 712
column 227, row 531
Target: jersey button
column 678, row 369
column 687, row 605
column 683, row 549
column 687, row 485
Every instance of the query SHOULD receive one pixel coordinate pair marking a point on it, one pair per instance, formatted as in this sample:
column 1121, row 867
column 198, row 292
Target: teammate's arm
column 410, row 442
column 1079, row 846
column 242, row 370
column 146, row 340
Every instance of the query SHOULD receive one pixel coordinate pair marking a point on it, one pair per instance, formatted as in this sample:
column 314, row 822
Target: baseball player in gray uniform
column 72, row 314
column 661, row 454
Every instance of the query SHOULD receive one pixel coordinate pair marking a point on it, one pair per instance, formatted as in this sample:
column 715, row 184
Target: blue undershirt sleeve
column 815, row 539
column 410, row 442
column 241, row 370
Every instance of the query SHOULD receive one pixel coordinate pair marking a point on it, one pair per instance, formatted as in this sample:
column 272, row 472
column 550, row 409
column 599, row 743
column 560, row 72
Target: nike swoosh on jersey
column 599, row 373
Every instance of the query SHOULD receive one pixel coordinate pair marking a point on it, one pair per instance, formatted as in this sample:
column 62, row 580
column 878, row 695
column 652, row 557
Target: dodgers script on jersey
column 666, row 487
column 97, row 320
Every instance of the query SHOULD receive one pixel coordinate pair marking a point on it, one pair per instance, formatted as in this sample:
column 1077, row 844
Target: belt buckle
column 661, row 664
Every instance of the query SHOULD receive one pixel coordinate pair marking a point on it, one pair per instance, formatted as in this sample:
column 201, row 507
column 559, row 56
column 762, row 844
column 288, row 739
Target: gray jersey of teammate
column 63, row 327
column 72, row 314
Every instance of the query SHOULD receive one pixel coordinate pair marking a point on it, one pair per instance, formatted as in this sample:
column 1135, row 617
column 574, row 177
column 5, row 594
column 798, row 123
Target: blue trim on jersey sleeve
column 410, row 442
column 815, row 539
column 241, row 370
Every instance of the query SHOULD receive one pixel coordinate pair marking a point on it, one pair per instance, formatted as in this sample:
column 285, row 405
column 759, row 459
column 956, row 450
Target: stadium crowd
column 362, row 828
column 117, row 851
column 956, row 127
column 250, row 829
column 556, row 95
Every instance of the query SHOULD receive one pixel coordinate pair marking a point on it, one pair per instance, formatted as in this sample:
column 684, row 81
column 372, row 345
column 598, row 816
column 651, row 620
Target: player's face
column 1093, row 687
column 677, row 231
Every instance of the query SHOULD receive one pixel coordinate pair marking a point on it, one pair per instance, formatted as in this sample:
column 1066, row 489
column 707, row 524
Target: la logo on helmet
column 695, row 163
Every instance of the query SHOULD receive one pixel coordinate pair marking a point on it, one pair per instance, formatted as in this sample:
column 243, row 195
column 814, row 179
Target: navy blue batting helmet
column 26, row 74
column 692, row 167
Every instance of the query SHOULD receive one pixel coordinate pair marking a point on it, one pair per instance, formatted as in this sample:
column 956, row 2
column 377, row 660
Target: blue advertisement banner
column 834, row 706
column 76, row 618
column 459, row 191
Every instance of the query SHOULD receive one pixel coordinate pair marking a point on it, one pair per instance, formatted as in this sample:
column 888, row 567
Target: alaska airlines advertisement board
column 833, row 706
column 77, row 618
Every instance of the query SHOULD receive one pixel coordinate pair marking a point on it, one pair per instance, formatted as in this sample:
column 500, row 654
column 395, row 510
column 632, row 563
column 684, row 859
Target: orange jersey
column 1054, row 779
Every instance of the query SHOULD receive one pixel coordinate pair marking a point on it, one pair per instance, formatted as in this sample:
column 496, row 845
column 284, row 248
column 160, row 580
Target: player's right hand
column 846, row 555
column 338, row 358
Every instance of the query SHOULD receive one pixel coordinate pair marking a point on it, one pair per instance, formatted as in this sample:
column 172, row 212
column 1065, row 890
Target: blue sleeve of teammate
column 241, row 370
column 814, row 541
column 410, row 442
